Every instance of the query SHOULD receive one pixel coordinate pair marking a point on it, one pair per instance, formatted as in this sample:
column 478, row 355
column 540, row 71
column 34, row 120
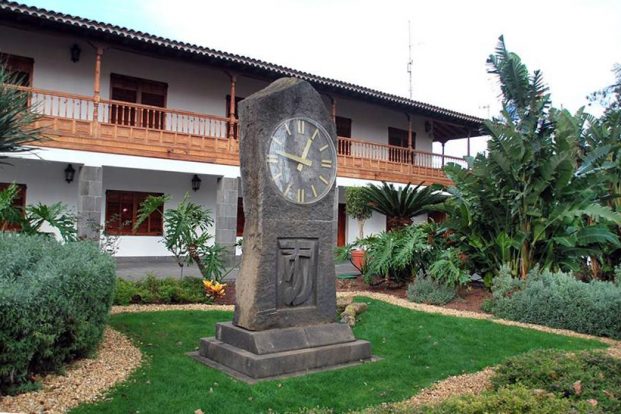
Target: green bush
column 516, row 399
column 154, row 290
column 424, row 289
column 558, row 372
column 54, row 303
column 559, row 300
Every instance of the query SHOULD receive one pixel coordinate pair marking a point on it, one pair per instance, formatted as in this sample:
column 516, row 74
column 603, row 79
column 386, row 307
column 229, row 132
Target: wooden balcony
column 81, row 123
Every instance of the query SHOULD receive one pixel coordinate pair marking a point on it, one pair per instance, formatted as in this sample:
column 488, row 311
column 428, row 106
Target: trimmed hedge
column 153, row 290
column 559, row 300
column 54, row 303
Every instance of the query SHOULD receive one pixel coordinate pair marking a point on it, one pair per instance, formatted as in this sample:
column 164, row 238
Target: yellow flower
column 214, row 288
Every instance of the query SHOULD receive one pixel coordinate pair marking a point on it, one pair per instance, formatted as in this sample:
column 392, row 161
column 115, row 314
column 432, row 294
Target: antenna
column 410, row 55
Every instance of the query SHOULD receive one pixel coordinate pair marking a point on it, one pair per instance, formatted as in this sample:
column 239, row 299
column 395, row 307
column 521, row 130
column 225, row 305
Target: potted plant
column 357, row 207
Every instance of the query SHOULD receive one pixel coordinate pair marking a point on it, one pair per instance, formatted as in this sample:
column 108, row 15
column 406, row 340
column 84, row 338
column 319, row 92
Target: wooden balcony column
column 409, row 130
column 333, row 101
column 97, row 87
column 468, row 142
column 232, row 118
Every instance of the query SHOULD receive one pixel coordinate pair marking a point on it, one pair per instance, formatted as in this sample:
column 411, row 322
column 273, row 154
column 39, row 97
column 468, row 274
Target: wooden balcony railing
column 80, row 122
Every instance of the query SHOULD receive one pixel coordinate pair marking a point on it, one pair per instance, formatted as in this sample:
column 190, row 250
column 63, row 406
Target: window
column 138, row 91
column 121, row 212
column 343, row 129
column 241, row 220
column 228, row 113
column 20, row 67
column 19, row 202
column 399, row 138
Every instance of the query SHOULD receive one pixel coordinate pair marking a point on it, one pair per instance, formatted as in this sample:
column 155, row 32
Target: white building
column 135, row 114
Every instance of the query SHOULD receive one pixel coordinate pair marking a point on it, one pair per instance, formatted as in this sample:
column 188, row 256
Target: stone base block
column 258, row 355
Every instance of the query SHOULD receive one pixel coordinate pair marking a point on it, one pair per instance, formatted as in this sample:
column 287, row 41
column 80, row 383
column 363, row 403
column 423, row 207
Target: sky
column 574, row 42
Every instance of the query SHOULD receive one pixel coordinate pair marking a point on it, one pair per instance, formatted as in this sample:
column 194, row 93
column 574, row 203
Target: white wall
column 53, row 68
column 174, row 184
column 45, row 182
column 370, row 122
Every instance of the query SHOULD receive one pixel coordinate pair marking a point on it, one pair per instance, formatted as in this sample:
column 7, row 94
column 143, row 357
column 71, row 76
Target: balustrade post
column 97, row 89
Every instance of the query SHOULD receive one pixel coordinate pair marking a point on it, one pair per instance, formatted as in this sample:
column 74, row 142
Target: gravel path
column 117, row 358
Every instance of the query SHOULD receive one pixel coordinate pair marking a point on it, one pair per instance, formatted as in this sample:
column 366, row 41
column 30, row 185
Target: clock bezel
column 332, row 179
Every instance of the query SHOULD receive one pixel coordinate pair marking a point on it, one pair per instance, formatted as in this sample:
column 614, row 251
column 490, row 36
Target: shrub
column 424, row 289
column 559, row 300
column 558, row 372
column 516, row 399
column 154, row 290
column 54, row 303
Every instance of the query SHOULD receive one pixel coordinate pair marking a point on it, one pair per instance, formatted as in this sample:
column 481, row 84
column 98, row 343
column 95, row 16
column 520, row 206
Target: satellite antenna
column 410, row 55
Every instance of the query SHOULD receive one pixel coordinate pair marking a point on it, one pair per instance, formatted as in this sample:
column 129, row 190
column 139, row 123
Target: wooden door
column 398, row 138
column 342, row 226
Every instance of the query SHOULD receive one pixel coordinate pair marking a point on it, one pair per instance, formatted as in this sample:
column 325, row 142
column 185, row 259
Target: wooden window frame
column 241, row 219
column 114, row 226
column 19, row 202
column 135, row 116
column 20, row 64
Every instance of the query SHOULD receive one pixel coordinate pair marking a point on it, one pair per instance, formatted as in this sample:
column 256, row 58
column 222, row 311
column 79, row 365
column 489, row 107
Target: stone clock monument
column 285, row 313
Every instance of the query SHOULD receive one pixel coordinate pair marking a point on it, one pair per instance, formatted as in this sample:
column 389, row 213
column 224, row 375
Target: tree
column 529, row 200
column 357, row 207
column 400, row 205
column 186, row 234
column 600, row 147
column 16, row 119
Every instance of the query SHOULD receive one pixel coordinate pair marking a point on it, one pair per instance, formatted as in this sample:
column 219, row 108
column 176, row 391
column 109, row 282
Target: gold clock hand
column 300, row 160
column 305, row 154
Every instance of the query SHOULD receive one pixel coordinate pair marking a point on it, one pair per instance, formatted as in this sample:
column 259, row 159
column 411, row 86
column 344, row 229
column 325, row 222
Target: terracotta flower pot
column 357, row 258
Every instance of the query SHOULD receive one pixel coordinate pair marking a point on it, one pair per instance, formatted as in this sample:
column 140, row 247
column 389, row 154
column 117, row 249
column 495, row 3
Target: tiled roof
column 24, row 13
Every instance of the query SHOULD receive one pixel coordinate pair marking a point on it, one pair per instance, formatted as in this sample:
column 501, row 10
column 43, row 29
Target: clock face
column 301, row 160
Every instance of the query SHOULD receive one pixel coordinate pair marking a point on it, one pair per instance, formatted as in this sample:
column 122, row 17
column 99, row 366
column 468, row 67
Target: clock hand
column 302, row 161
column 305, row 154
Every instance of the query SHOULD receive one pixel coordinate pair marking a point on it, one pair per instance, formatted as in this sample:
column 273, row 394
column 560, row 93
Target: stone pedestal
column 284, row 322
column 257, row 355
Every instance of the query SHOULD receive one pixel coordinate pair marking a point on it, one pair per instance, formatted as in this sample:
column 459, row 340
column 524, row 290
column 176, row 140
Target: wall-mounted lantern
column 69, row 173
column 76, row 51
column 196, row 183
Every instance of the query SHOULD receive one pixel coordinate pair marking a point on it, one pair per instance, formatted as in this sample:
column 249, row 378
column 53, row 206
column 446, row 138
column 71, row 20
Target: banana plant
column 532, row 199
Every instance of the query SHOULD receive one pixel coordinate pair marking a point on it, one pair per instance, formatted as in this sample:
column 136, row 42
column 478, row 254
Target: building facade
column 134, row 114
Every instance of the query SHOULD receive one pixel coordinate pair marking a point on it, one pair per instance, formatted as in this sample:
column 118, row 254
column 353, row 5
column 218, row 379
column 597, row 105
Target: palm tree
column 16, row 118
column 401, row 204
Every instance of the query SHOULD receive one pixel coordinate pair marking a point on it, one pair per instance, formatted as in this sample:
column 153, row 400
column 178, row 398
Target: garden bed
column 469, row 298
column 418, row 349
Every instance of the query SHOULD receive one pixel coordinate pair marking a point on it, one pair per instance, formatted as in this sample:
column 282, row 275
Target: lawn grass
column 417, row 349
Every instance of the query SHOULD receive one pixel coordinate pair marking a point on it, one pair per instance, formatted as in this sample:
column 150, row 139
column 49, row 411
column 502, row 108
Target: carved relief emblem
column 296, row 271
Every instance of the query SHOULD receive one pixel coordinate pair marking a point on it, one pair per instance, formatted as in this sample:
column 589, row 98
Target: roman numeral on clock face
column 300, row 126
